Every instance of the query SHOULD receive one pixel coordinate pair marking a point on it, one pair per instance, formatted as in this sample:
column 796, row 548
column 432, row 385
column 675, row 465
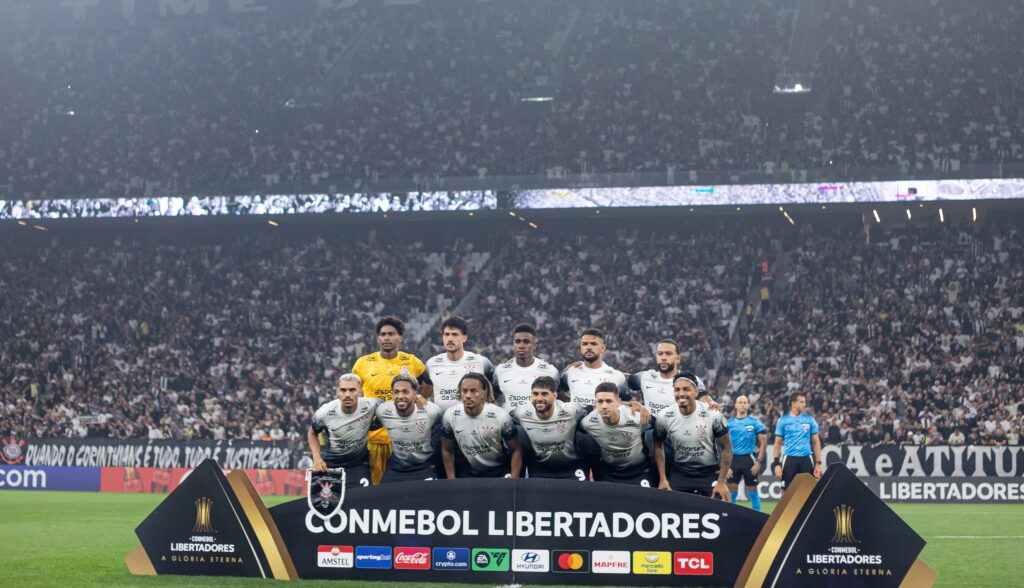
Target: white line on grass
column 979, row 537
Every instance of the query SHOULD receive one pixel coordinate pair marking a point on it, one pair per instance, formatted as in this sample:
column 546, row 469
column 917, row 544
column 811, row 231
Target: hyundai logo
column 530, row 557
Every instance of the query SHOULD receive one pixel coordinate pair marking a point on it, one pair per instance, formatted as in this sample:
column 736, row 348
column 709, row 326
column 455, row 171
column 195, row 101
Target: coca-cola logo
column 412, row 558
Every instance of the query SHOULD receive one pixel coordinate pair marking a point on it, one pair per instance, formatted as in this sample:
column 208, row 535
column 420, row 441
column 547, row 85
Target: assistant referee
column 796, row 438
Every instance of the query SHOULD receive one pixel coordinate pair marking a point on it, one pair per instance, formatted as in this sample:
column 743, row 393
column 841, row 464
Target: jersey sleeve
column 424, row 378
column 318, row 425
column 359, row 369
column 508, row 427
column 488, row 369
column 374, row 403
column 495, row 383
column 660, row 431
column 814, row 427
column 759, row 428
column 416, row 367
column 563, row 382
column 580, row 410
column 719, row 428
column 514, row 415
column 633, row 381
column 446, row 426
column 780, row 430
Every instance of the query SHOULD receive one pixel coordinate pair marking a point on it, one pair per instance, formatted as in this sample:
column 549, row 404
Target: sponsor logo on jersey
column 451, row 558
column 412, row 558
column 571, row 561
column 334, row 556
column 610, row 562
column 373, row 557
column 652, row 562
column 491, row 560
column 531, row 560
column 693, row 563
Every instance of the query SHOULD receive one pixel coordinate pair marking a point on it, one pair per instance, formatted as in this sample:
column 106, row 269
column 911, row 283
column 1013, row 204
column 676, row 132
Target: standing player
column 619, row 434
column 413, row 426
column 513, row 380
column 377, row 370
column 655, row 386
column 702, row 449
column 548, row 433
column 441, row 378
column 747, row 434
column 799, row 433
column 345, row 423
column 484, row 432
column 580, row 381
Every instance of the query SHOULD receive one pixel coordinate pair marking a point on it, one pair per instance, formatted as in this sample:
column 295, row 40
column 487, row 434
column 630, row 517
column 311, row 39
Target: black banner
column 928, row 460
column 538, row 531
column 158, row 454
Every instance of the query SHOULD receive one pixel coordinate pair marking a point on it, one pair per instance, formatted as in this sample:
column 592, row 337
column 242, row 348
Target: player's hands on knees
column 721, row 491
column 319, row 465
column 663, row 485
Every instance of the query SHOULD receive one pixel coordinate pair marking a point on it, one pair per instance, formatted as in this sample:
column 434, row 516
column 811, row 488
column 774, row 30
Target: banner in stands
column 159, row 454
column 539, row 531
column 49, row 478
column 162, row 480
column 916, row 461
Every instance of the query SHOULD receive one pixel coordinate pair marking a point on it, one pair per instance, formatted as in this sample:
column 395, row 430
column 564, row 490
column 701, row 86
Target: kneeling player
column 548, row 432
column 618, row 432
column 346, row 424
column 700, row 443
column 413, row 425
column 483, row 431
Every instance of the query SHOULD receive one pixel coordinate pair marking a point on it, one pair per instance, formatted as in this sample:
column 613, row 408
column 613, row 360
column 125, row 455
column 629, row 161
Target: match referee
column 796, row 437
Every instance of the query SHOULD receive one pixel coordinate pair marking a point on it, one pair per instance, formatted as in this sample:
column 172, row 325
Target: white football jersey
column 445, row 374
column 515, row 382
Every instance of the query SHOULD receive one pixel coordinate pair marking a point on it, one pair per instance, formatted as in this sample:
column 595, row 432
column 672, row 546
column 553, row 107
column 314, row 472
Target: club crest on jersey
column 421, row 426
column 326, row 492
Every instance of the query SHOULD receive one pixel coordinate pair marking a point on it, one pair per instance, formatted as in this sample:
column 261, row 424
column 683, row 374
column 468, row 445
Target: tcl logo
column 412, row 558
column 694, row 563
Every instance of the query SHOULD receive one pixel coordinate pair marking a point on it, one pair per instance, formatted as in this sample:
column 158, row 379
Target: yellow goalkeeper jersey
column 377, row 372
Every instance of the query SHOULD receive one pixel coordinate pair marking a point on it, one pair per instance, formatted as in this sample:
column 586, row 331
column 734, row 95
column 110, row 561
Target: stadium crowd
column 914, row 339
column 313, row 103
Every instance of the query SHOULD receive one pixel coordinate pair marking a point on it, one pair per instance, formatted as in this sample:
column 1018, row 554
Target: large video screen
column 554, row 198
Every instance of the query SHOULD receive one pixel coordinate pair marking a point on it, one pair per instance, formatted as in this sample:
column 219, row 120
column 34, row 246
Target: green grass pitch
column 80, row 539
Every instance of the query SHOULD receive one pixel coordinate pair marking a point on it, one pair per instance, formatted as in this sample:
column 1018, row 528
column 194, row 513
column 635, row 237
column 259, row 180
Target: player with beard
column 654, row 387
column 483, row 431
column 700, row 441
column 580, row 381
column 413, row 424
column 441, row 379
column 345, row 423
column 513, row 380
column 548, row 432
column 618, row 433
column 376, row 371
column 747, row 433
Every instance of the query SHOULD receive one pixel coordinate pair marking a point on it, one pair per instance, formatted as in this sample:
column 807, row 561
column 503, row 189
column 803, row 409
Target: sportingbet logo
column 610, row 562
column 652, row 562
column 694, row 563
column 412, row 558
column 334, row 556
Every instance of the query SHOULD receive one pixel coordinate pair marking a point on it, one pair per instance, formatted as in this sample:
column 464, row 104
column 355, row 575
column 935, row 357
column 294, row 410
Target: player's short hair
column 405, row 378
column 350, row 377
column 484, row 383
column 545, row 383
column 671, row 342
column 796, row 396
column 389, row 321
column 592, row 332
column 606, row 387
column 524, row 328
column 455, row 322
column 690, row 377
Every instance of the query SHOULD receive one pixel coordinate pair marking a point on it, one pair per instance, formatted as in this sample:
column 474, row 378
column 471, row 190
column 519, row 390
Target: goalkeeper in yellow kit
column 377, row 370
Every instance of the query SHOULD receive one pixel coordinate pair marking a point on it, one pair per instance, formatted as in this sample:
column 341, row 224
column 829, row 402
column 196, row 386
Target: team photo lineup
column 399, row 419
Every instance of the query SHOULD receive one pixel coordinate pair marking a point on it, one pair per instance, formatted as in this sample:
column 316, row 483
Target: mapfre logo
column 610, row 562
column 335, row 556
column 412, row 558
column 693, row 563
column 652, row 562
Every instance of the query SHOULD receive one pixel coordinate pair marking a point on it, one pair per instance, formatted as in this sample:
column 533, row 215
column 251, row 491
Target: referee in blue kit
column 748, row 436
column 796, row 438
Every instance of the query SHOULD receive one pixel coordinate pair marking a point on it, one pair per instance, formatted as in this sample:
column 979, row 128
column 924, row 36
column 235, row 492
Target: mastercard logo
column 572, row 561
